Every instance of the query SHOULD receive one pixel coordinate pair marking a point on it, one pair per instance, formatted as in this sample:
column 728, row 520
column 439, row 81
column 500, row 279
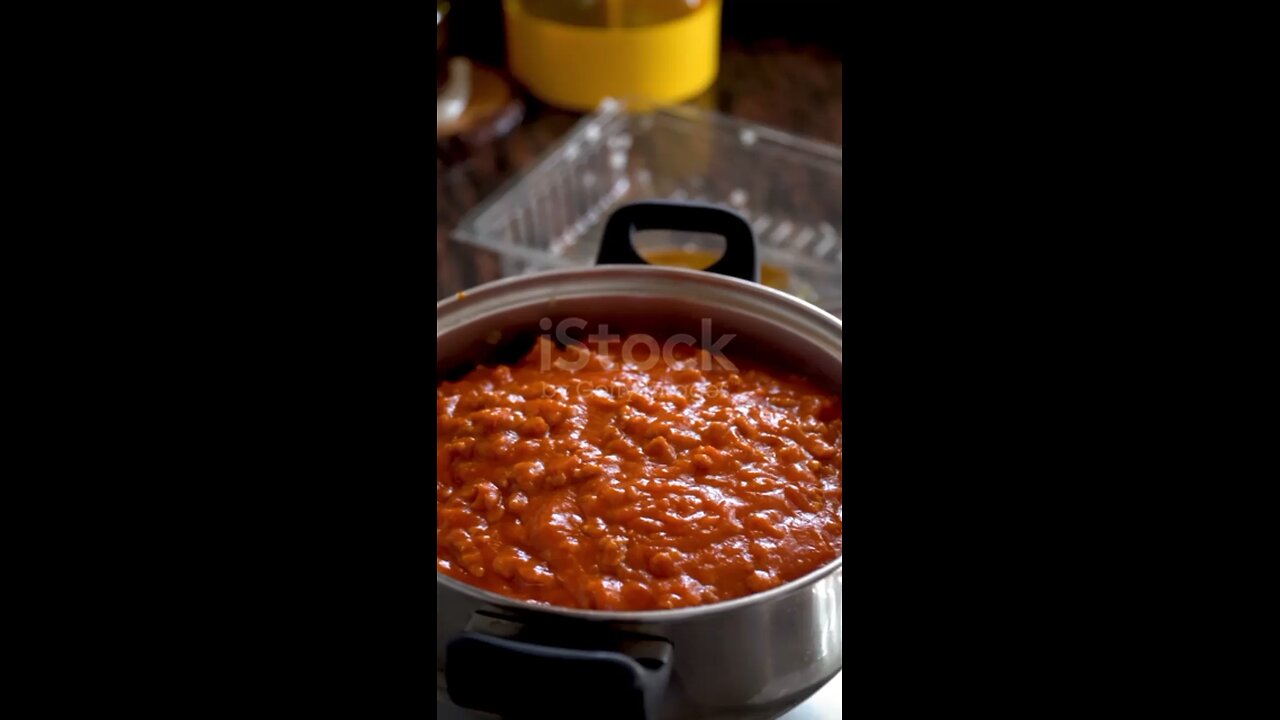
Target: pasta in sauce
column 620, row 486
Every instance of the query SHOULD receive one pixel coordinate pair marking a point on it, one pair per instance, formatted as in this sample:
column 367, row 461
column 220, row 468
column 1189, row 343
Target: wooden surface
column 793, row 87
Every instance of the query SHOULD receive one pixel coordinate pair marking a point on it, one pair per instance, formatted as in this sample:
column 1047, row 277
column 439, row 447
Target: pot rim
column 701, row 276
column 644, row 616
column 492, row 291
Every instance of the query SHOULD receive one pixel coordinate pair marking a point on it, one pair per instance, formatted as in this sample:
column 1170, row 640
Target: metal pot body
column 753, row 657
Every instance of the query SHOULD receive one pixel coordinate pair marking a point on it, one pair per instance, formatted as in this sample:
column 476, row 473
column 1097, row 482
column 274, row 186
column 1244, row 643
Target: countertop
column 790, row 86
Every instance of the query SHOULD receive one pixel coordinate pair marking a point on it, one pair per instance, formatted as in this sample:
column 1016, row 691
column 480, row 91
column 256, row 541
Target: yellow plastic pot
column 574, row 54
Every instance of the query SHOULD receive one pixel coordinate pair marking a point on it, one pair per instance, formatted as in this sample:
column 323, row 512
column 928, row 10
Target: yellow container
column 575, row 53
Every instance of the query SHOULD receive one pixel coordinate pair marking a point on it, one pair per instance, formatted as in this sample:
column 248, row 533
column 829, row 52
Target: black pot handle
column 517, row 679
column 740, row 259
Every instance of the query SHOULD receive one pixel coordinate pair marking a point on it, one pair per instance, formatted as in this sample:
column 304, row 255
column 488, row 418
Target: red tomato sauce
column 620, row 486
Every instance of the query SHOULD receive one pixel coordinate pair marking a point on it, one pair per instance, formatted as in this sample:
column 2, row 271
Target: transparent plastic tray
column 788, row 187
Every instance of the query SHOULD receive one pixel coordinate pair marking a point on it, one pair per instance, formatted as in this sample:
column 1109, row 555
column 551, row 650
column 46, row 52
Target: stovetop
column 826, row 704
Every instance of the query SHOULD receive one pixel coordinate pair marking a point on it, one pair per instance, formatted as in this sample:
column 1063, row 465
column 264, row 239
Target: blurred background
column 517, row 84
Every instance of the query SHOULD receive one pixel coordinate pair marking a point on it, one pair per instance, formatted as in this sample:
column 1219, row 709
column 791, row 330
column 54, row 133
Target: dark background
column 780, row 65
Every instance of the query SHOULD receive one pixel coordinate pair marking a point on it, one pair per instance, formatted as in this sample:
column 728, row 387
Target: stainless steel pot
column 753, row 657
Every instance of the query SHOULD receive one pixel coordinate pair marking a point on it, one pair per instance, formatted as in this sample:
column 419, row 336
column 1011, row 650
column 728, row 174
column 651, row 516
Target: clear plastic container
column 788, row 187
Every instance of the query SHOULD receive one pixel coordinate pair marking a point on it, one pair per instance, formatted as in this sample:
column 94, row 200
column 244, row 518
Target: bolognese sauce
column 634, row 480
